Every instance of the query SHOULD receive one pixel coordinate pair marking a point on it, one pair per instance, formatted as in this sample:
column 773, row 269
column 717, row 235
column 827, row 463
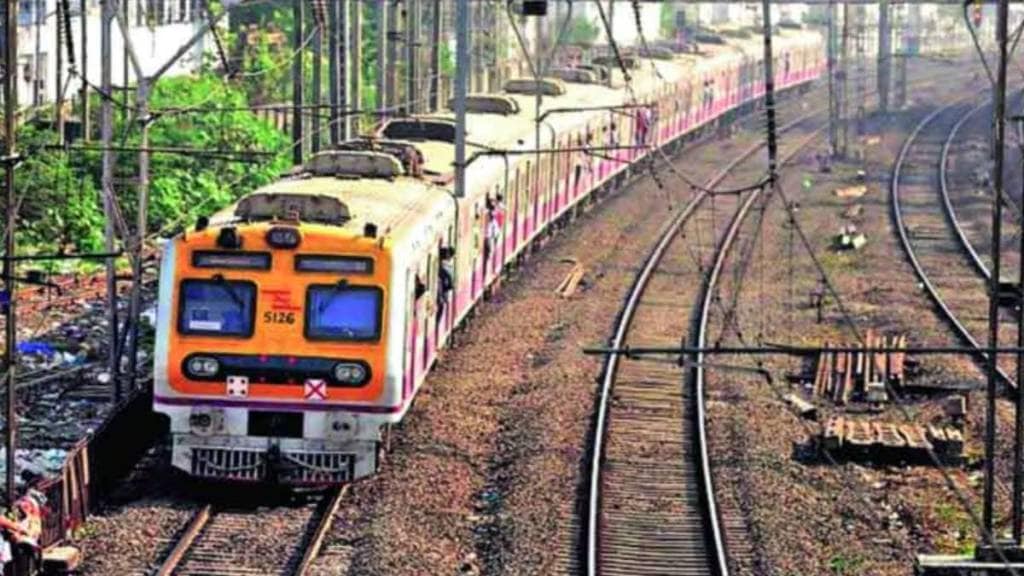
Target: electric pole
column 356, row 47
column 382, row 59
column 297, row 83
column 461, row 74
column 999, row 151
column 435, row 56
column 107, row 184
column 412, row 45
column 10, row 245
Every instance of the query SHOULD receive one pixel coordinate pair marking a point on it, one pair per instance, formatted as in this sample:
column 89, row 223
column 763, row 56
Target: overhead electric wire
column 898, row 400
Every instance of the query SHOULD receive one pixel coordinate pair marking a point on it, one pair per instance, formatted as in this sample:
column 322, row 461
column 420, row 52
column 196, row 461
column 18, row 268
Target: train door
column 524, row 203
column 445, row 284
column 479, row 250
column 513, row 215
column 429, row 309
column 410, row 336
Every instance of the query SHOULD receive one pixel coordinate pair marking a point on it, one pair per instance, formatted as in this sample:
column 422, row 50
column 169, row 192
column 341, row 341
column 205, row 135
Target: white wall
column 153, row 46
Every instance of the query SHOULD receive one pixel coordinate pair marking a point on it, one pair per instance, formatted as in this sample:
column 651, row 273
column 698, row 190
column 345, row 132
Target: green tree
column 582, row 32
column 61, row 206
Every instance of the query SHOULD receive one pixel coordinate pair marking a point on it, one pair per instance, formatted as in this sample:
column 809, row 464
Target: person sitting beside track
column 19, row 544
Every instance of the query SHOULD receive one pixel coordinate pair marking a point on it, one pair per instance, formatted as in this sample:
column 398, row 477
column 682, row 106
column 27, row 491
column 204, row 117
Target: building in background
column 156, row 29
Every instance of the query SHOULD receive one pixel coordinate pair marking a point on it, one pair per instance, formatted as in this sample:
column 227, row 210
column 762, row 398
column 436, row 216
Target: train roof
column 392, row 205
column 395, row 203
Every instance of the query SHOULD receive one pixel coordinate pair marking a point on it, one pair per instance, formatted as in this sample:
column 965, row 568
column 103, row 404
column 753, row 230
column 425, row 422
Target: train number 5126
column 279, row 317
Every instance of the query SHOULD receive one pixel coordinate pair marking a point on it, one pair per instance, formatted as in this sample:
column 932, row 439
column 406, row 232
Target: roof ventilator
column 408, row 155
column 419, row 128
column 575, row 75
column 488, row 104
column 544, row 86
column 279, row 206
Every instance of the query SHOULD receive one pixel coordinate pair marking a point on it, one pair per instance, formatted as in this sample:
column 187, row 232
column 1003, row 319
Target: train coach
column 295, row 326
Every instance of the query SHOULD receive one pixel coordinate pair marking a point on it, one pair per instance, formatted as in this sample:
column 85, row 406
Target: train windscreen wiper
column 230, row 291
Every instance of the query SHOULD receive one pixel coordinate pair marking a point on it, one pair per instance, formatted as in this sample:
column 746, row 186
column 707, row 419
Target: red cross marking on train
column 280, row 300
column 316, row 389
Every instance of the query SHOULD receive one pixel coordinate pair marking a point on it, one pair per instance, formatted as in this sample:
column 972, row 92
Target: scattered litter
column 849, row 239
column 852, row 191
column 804, row 408
column 854, row 211
column 36, row 348
column 34, row 464
column 149, row 315
column 61, row 560
column 571, row 281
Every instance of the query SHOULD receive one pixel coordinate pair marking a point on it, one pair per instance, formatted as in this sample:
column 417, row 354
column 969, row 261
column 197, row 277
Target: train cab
column 280, row 331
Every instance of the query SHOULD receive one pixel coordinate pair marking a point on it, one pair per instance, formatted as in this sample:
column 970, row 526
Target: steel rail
column 323, row 527
column 185, row 541
column 897, row 214
column 951, row 216
column 953, row 219
column 666, row 238
column 310, row 546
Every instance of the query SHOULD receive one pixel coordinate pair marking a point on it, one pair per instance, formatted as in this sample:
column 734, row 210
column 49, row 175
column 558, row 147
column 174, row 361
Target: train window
column 343, row 312
column 217, row 307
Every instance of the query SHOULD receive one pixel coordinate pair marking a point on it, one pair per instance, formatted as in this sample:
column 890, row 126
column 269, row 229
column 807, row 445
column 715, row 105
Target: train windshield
column 342, row 312
column 217, row 307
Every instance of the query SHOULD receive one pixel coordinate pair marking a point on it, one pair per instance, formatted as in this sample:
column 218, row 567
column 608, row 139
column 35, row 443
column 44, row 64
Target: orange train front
column 272, row 350
column 297, row 324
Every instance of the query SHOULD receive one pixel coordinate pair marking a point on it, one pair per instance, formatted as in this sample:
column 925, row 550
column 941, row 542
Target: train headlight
column 200, row 421
column 202, row 367
column 205, row 420
column 350, row 373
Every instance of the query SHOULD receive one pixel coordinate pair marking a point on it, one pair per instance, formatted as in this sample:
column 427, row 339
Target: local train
column 295, row 326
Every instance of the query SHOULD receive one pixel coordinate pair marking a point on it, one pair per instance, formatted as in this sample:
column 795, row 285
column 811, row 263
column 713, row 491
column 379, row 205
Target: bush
column 62, row 206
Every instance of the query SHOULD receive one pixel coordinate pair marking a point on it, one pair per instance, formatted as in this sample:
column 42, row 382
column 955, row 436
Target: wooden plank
column 832, row 435
column 899, row 359
column 837, row 379
column 802, row 407
column 819, row 374
column 936, row 433
column 849, row 382
column 867, row 358
column 859, row 434
column 914, row 436
column 888, row 435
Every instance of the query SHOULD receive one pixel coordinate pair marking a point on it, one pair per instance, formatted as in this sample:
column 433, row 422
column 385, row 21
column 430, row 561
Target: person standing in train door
column 495, row 224
column 640, row 133
column 446, row 279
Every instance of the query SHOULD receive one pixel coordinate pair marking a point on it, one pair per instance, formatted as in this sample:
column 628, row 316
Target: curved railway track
column 214, row 542
column 651, row 507
column 928, row 229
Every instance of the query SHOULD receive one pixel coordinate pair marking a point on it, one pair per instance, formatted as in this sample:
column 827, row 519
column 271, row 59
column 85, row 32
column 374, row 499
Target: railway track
column 216, row 541
column 652, row 507
column 929, row 229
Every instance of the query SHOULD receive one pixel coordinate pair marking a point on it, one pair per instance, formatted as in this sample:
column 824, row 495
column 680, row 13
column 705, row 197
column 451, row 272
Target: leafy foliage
column 62, row 207
column 582, row 32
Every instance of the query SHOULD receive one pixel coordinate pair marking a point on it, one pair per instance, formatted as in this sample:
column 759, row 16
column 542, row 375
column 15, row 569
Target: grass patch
column 846, row 565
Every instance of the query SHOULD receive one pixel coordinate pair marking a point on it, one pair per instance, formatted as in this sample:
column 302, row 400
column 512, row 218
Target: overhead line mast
column 10, row 126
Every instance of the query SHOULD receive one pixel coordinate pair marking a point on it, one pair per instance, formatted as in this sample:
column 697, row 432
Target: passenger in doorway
column 446, row 278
